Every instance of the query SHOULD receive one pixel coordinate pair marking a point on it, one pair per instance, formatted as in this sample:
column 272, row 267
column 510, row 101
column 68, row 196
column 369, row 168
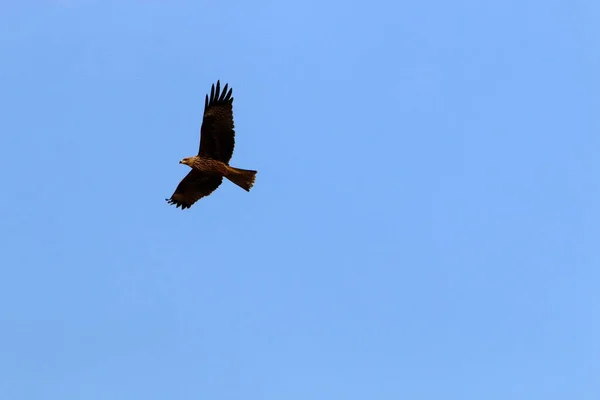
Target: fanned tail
column 244, row 178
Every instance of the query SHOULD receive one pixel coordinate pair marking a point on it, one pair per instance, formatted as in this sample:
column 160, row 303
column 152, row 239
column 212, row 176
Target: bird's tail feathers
column 244, row 178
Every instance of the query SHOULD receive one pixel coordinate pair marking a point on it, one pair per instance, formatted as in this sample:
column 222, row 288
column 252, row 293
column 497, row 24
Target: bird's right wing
column 193, row 187
column 217, row 136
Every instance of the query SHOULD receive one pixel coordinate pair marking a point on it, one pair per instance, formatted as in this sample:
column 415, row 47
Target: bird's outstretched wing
column 193, row 187
column 217, row 137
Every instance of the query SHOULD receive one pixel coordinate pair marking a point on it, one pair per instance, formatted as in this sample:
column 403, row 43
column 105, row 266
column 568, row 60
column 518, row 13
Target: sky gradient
column 424, row 223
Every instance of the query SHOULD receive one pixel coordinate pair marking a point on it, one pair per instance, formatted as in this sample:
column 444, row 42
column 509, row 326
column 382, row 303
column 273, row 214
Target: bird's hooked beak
column 180, row 161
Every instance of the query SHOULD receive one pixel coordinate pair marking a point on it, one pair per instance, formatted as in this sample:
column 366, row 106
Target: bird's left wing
column 193, row 187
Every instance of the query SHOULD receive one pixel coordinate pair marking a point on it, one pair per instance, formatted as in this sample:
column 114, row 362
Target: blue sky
column 424, row 223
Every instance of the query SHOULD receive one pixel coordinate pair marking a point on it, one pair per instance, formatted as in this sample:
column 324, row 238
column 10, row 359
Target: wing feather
column 217, row 136
column 193, row 187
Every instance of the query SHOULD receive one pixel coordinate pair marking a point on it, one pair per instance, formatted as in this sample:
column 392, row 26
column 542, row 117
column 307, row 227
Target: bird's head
column 187, row 161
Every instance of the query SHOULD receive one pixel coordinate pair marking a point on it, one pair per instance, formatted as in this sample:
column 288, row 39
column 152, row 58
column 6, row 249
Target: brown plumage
column 217, row 140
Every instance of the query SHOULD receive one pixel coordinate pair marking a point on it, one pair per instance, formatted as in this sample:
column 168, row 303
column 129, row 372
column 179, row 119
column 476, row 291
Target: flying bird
column 217, row 140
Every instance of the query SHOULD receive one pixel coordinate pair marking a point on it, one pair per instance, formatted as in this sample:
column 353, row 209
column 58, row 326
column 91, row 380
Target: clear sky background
column 424, row 224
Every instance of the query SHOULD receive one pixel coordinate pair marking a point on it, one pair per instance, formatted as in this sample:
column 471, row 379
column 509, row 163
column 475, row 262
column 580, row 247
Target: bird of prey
column 217, row 139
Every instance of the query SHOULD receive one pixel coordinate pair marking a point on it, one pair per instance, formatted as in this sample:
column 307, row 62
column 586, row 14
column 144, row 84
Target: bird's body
column 207, row 165
column 211, row 165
